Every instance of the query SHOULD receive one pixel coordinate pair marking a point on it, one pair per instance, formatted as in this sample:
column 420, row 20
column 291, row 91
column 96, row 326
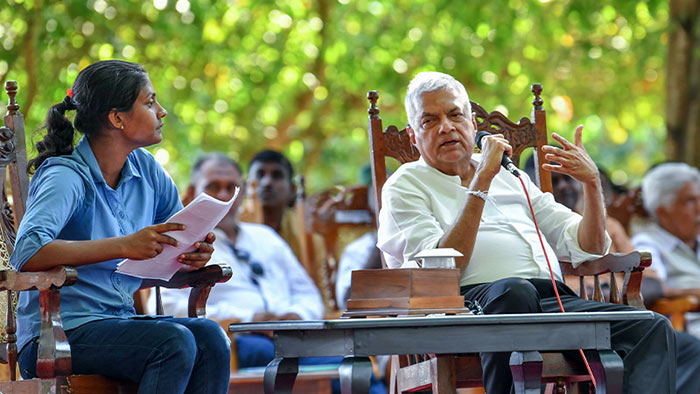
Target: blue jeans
column 254, row 350
column 165, row 355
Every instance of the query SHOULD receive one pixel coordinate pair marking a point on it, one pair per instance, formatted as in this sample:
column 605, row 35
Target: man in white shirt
column 451, row 198
column 268, row 283
column 671, row 195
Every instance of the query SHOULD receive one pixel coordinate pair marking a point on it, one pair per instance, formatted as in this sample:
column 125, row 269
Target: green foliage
column 240, row 76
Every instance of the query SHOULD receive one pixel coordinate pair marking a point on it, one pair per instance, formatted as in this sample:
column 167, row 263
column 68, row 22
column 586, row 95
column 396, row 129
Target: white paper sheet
column 200, row 216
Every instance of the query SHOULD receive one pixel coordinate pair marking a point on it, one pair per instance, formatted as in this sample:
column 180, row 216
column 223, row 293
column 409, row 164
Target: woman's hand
column 148, row 242
column 201, row 256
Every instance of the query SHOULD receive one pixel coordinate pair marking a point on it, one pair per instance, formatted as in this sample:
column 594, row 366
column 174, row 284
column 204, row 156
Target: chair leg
column 355, row 375
column 393, row 383
column 526, row 368
column 279, row 376
column 607, row 369
column 442, row 369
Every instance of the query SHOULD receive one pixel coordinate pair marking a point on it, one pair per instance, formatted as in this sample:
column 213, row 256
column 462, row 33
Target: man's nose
column 445, row 126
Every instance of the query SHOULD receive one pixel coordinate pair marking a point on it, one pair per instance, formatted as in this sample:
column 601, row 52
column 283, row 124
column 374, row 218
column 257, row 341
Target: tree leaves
column 239, row 76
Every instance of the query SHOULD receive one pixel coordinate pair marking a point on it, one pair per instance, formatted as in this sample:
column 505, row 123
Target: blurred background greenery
column 239, row 75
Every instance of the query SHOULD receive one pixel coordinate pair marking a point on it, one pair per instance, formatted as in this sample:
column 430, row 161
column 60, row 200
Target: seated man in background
column 453, row 199
column 271, row 175
column 671, row 196
column 569, row 192
column 268, row 282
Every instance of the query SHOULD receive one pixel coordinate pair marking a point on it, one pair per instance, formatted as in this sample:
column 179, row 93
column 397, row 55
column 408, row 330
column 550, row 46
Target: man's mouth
column 450, row 143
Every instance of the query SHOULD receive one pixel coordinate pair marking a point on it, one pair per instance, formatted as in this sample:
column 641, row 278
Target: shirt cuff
column 577, row 255
column 28, row 246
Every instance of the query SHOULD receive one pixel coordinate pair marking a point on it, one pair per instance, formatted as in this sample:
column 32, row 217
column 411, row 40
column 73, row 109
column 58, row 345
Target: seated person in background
column 91, row 206
column 568, row 192
column 272, row 175
column 268, row 282
column 452, row 198
column 671, row 196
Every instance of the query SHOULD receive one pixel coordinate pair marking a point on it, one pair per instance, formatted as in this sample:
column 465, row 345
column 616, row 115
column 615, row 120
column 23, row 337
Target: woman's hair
column 102, row 87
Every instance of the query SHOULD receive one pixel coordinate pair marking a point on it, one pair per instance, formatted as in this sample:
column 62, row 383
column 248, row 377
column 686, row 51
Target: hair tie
column 69, row 93
column 68, row 102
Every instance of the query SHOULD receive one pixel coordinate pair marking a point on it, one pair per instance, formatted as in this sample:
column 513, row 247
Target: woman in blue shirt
column 90, row 207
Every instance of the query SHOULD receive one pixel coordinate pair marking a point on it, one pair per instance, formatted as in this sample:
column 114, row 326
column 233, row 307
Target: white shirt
column 419, row 203
column 284, row 286
column 672, row 260
column 355, row 257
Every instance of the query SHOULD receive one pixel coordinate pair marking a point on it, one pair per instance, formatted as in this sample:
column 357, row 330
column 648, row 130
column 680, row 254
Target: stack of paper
column 200, row 217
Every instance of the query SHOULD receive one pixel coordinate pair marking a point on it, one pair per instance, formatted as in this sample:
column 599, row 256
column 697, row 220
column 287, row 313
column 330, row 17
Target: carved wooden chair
column 446, row 373
column 339, row 215
column 54, row 359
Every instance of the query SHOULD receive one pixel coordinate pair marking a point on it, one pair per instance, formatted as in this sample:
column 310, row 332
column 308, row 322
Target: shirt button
column 121, row 215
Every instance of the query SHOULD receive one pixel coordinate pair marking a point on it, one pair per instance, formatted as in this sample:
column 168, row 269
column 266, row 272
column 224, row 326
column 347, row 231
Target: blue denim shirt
column 69, row 200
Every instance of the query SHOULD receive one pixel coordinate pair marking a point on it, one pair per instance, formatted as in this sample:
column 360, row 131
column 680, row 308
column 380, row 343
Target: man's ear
column 189, row 195
column 115, row 120
column 411, row 134
column 474, row 120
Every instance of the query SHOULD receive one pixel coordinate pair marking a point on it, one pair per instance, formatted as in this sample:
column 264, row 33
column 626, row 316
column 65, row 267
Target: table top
column 449, row 320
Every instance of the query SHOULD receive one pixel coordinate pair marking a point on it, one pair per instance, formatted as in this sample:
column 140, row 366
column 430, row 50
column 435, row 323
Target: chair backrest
column 339, row 215
column 395, row 143
column 13, row 162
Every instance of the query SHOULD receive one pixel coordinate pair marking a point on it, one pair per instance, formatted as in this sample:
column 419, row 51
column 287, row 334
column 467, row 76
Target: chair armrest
column 631, row 264
column 201, row 281
column 202, row 277
column 675, row 308
column 19, row 281
column 613, row 262
column 54, row 357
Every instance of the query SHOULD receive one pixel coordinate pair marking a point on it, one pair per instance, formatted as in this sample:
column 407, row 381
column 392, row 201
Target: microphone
column 505, row 161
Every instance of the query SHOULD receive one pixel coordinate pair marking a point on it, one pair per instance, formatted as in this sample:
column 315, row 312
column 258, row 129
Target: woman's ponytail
column 59, row 134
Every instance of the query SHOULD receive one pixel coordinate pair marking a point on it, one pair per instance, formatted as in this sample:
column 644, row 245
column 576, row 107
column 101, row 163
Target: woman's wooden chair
column 449, row 372
column 54, row 360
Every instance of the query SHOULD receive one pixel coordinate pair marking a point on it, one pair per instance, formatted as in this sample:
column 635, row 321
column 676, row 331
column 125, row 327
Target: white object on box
column 437, row 258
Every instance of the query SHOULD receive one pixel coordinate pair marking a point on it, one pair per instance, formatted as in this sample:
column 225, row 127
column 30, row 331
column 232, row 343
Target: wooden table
column 357, row 339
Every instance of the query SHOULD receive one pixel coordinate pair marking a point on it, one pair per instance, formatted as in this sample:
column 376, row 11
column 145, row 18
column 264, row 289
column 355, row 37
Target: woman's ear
column 115, row 120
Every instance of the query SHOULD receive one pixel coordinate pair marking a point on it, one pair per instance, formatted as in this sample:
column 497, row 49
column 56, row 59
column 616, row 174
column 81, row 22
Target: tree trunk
column 683, row 83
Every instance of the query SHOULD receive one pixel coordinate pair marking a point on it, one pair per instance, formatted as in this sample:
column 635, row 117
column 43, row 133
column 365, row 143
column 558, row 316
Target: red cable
column 551, row 275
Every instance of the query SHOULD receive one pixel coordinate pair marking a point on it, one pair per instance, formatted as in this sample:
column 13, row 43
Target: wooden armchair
column 339, row 215
column 54, row 359
column 448, row 373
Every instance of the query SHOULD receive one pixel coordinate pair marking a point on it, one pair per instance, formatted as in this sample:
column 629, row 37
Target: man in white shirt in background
column 268, row 281
column 671, row 196
column 451, row 198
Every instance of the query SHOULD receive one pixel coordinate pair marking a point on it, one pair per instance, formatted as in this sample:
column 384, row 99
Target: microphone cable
column 551, row 275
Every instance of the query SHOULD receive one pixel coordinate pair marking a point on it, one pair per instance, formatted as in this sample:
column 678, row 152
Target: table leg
column 355, row 375
column 607, row 369
column 526, row 368
column 280, row 374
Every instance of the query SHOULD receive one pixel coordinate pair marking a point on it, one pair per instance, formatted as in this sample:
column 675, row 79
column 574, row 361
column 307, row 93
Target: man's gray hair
column 430, row 81
column 661, row 184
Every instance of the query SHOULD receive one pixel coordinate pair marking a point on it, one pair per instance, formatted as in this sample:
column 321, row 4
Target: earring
column 121, row 127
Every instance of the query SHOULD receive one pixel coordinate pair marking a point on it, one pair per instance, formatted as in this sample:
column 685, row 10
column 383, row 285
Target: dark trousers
column 166, row 355
column 647, row 347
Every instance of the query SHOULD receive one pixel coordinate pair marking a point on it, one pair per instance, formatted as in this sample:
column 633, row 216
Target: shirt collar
column 452, row 178
column 84, row 150
column 669, row 241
